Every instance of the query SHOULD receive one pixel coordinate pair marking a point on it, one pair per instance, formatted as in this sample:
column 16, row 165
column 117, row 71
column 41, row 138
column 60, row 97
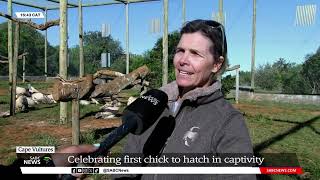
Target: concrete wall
column 287, row 98
column 28, row 78
column 34, row 78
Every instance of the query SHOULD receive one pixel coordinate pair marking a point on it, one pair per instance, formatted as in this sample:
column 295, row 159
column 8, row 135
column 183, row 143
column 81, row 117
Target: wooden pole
column 14, row 68
column 63, row 54
column 127, row 38
column 10, row 39
column 81, row 57
column 75, row 122
column 237, row 85
column 24, row 69
column 183, row 12
column 221, row 18
column 219, row 77
column 12, row 98
column 46, row 47
column 75, row 102
column 165, row 44
column 253, row 44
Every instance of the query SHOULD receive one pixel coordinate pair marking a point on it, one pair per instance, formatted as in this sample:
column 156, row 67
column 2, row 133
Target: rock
column 84, row 102
column 21, row 103
column 5, row 114
column 108, row 108
column 130, row 100
column 30, row 102
column 32, row 89
column 104, row 115
column 20, row 91
column 95, row 101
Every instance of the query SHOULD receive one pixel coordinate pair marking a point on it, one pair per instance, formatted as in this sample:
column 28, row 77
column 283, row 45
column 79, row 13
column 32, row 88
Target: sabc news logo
column 85, row 170
column 32, row 160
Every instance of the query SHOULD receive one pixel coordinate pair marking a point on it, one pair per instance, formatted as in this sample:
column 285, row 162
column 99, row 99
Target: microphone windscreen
column 145, row 110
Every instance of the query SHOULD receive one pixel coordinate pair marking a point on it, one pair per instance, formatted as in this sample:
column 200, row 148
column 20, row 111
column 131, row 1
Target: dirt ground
column 253, row 110
column 3, row 92
column 19, row 132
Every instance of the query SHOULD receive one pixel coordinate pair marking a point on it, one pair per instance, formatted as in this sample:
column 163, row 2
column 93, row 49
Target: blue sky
column 276, row 35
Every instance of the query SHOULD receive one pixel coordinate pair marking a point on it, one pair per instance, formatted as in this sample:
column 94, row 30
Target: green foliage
column 293, row 81
column 154, row 59
column 88, row 138
column 94, row 45
column 228, row 83
column 283, row 77
column 268, row 77
column 119, row 65
column 311, row 71
column 31, row 41
column 245, row 78
column 45, row 140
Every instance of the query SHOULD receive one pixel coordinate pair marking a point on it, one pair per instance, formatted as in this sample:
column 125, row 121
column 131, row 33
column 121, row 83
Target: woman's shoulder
column 223, row 107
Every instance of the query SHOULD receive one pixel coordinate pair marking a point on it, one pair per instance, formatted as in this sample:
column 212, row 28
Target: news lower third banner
column 161, row 170
column 273, row 163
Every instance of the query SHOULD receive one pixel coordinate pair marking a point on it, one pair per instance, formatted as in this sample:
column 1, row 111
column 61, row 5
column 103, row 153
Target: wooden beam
column 25, row 4
column 81, row 55
column 19, row 57
column 108, row 3
column 91, row 5
column 165, row 44
column 24, row 69
column 253, row 45
column 237, row 85
column 63, row 54
column 69, row 4
column 4, row 62
column 32, row 24
column 75, row 122
column 14, row 69
column 10, row 55
column 10, row 39
column 233, row 68
column 46, row 46
column 127, row 39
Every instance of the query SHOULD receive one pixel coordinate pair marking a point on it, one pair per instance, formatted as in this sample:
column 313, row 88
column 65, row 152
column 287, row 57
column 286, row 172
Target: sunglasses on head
column 217, row 25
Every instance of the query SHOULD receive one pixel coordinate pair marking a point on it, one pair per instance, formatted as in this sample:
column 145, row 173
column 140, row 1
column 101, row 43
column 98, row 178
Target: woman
column 198, row 119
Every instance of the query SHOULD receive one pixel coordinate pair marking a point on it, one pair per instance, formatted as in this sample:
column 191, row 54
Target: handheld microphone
column 136, row 119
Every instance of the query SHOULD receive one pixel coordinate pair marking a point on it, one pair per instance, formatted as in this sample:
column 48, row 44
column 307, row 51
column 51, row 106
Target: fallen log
column 107, row 72
column 64, row 90
column 119, row 83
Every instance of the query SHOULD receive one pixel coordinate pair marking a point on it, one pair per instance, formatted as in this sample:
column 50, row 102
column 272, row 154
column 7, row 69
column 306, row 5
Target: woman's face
column 193, row 61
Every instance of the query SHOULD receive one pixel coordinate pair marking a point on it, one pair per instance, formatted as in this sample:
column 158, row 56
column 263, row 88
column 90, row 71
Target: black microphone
column 136, row 119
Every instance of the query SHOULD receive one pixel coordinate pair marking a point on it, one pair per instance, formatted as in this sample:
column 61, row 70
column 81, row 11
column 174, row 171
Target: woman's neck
column 183, row 91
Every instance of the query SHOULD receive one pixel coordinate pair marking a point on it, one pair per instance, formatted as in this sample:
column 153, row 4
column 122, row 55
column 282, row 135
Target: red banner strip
column 281, row 170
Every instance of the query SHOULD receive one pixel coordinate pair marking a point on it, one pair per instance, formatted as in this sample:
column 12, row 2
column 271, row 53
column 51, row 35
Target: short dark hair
column 215, row 32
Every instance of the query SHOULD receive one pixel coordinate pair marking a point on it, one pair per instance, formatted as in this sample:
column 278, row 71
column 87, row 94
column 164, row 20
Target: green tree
column 228, row 83
column 153, row 59
column 245, row 78
column 268, row 78
column 283, row 77
column 94, row 45
column 31, row 41
column 311, row 71
column 293, row 81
